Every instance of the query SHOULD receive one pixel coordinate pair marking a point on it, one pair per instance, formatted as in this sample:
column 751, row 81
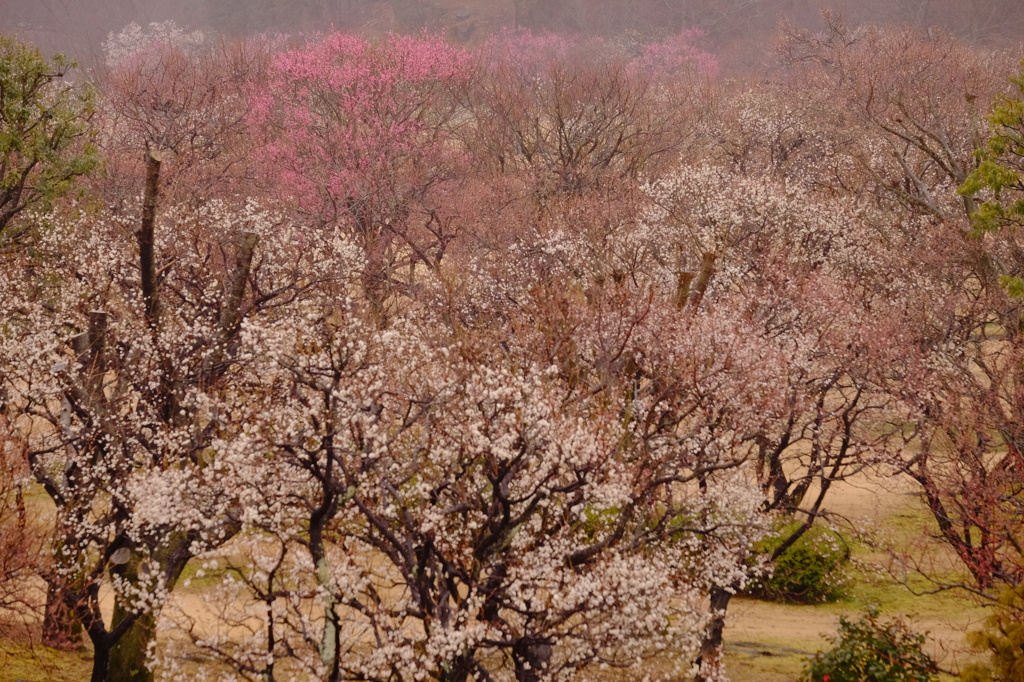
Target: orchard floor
column 768, row 642
column 765, row 642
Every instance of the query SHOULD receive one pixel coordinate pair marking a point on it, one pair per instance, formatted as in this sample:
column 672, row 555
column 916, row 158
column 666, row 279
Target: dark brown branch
column 146, row 240
column 696, row 294
column 231, row 309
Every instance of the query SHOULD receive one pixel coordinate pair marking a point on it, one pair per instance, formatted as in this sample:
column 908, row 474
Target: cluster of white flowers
column 133, row 39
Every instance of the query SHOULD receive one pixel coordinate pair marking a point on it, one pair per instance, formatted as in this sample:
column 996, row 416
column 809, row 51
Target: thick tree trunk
column 128, row 656
column 330, row 642
column 127, row 661
column 61, row 630
column 684, row 280
column 531, row 660
column 695, row 292
column 100, row 660
column 710, row 656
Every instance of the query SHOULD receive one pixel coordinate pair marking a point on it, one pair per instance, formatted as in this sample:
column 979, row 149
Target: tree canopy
column 45, row 131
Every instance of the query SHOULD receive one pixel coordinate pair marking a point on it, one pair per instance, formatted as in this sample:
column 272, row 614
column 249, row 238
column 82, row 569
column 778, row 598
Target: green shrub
column 812, row 570
column 1002, row 636
column 869, row 650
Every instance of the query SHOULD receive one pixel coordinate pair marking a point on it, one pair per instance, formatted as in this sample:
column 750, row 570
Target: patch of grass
column 194, row 578
column 36, row 663
column 902, row 598
column 753, row 665
column 770, row 642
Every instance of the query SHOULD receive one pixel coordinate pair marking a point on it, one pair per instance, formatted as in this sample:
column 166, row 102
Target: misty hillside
column 736, row 29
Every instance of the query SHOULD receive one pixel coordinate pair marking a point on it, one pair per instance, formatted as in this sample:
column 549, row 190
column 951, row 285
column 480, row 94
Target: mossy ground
column 36, row 663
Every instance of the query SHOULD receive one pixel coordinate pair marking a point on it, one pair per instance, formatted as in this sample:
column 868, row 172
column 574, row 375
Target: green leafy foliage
column 45, row 132
column 812, row 570
column 1003, row 637
column 871, row 650
column 999, row 177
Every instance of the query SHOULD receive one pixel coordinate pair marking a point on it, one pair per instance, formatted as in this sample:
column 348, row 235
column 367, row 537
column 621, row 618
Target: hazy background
column 737, row 30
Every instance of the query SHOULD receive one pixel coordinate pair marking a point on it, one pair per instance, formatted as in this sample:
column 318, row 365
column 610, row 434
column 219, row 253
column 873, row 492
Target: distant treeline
column 736, row 29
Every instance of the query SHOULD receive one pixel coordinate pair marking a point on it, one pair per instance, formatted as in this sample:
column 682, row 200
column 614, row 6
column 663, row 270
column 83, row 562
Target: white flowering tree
column 460, row 513
column 134, row 39
column 118, row 352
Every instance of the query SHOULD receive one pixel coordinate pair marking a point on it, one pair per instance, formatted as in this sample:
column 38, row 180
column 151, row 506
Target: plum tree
column 359, row 134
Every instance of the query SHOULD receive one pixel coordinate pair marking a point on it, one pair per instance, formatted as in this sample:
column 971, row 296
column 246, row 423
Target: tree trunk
column 460, row 669
column 330, row 642
column 710, row 658
column 61, row 630
column 101, row 659
column 128, row 652
column 128, row 656
column 531, row 660
column 698, row 287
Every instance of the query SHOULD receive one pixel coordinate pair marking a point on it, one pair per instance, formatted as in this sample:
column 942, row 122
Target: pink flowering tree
column 677, row 57
column 359, row 134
